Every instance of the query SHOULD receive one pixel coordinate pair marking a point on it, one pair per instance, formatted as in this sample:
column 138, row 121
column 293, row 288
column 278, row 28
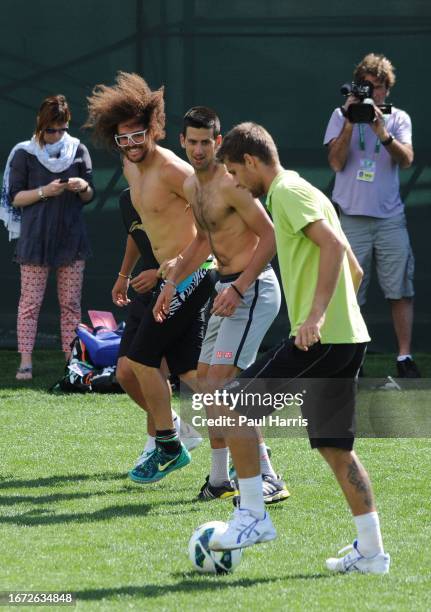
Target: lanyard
column 362, row 140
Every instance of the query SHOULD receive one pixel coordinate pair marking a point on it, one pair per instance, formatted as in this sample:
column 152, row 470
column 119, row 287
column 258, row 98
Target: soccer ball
column 210, row 561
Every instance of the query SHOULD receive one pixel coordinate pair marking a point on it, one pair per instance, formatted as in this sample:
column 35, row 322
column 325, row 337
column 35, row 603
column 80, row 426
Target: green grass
column 71, row 521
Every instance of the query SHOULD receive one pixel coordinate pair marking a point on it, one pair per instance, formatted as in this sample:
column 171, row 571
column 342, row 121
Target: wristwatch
column 41, row 195
column 388, row 140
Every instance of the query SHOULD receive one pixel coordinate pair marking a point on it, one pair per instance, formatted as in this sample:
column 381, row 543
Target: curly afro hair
column 130, row 98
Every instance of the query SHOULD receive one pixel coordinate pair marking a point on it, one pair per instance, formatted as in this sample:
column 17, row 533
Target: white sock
column 369, row 537
column 177, row 421
column 265, row 462
column 404, row 357
column 219, row 466
column 151, row 443
column 251, row 493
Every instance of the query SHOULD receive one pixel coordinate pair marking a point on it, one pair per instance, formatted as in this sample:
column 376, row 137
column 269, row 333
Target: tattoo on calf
column 356, row 479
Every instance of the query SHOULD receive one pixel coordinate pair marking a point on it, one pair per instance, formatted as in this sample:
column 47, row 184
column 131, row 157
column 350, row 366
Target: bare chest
column 210, row 210
column 150, row 197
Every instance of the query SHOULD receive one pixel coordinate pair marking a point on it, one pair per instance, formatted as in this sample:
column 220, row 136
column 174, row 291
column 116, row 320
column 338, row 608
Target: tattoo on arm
column 361, row 485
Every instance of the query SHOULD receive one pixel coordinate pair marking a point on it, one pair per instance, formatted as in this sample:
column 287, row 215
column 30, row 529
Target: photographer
column 366, row 158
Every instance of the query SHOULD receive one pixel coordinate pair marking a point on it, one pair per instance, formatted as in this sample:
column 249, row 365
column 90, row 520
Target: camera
column 362, row 111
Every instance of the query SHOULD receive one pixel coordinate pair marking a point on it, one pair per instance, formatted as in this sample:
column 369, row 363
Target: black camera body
column 362, row 111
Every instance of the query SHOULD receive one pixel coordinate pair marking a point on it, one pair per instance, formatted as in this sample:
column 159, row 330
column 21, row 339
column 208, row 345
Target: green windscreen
column 279, row 63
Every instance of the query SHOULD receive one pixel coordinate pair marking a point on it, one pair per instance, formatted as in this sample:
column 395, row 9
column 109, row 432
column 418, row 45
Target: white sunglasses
column 136, row 138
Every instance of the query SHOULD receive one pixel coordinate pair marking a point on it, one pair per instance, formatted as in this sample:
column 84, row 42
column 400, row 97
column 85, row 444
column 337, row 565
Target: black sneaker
column 225, row 491
column 232, row 470
column 408, row 369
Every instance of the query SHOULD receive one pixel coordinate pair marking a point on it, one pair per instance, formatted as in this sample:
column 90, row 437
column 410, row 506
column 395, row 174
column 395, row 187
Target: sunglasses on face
column 134, row 138
column 55, row 130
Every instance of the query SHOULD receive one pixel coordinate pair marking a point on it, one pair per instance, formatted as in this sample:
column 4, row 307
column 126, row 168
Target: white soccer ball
column 210, row 561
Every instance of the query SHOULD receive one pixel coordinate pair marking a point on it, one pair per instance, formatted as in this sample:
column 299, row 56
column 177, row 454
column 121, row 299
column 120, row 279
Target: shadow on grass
column 193, row 583
column 47, row 516
column 192, row 575
column 30, row 519
column 53, row 481
column 9, row 388
column 11, row 500
column 33, row 517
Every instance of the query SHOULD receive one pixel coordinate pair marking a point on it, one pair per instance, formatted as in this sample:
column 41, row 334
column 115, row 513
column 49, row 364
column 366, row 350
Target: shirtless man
column 138, row 248
column 240, row 234
column 130, row 118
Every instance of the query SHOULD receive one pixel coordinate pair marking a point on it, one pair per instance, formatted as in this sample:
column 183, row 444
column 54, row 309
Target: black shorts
column 179, row 338
column 135, row 313
column 327, row 374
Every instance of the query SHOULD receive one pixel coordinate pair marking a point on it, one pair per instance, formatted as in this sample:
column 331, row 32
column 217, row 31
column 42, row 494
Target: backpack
column 82, row 374
column 102, row 344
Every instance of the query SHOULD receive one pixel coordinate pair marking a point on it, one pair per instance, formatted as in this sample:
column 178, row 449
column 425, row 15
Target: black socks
column 168, row 440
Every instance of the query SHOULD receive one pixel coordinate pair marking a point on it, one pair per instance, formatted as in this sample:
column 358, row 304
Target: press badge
column 367, row 170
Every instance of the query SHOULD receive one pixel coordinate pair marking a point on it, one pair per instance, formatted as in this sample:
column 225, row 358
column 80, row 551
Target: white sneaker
column 144, row 456
column 355, row 562
column 189, row 436
column 243, row 530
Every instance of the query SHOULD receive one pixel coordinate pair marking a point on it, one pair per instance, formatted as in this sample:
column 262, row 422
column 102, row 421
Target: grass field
column 72, row 521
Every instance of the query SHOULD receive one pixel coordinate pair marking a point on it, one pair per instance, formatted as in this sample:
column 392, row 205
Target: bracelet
column 129, row 276
column 168, row 281
column 41, row 194
column 238, row 291
column 86, row 188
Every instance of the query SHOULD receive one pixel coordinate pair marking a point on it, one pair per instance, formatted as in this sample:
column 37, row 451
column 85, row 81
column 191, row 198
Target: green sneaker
column 158, row 465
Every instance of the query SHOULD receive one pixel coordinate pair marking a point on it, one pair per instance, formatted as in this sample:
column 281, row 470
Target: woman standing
column 46, row 183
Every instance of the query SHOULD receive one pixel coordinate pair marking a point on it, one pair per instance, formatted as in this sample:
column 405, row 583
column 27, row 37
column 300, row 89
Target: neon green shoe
column 158, row 465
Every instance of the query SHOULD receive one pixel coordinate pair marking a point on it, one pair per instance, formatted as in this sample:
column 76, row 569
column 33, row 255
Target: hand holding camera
column 378, row 124
column 360, row 106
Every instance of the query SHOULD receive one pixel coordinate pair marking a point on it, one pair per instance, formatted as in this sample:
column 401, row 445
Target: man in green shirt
column 328, row 337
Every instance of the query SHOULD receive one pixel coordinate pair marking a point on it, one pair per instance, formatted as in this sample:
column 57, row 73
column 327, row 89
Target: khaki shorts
column 387, row 243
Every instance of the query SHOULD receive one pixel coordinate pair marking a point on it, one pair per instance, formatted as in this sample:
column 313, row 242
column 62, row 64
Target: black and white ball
column 210, row 561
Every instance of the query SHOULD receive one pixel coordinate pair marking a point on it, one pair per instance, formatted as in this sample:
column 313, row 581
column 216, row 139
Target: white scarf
column 65, row 149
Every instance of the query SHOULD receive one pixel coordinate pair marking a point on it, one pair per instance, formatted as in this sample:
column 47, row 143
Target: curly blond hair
column 130, row 98
column 379, row 66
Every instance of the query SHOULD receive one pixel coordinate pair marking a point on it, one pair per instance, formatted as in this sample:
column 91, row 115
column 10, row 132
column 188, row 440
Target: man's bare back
column 156, row 188
column 232, row 241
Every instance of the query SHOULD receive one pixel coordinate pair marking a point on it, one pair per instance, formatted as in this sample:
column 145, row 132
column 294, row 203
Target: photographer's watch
column 388, row 140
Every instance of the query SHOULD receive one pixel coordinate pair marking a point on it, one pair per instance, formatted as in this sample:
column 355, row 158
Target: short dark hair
column 201, row 117
column 248, row 138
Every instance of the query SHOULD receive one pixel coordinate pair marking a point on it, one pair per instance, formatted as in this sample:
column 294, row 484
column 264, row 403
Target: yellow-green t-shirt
column 294, row 203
